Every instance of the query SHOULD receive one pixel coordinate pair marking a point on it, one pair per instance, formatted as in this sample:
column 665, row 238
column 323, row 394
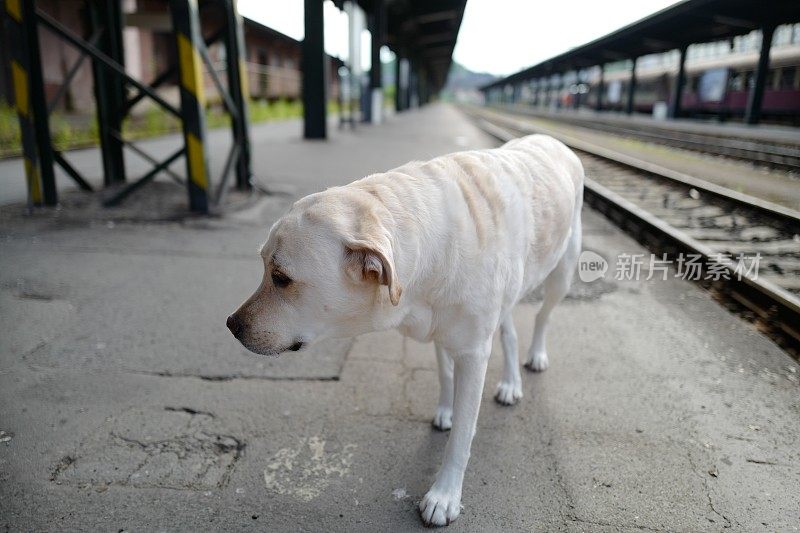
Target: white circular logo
column 591, row 266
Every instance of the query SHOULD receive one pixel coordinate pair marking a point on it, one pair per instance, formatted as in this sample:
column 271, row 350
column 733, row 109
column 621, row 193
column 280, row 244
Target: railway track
column 674, row 213
column 782, row 156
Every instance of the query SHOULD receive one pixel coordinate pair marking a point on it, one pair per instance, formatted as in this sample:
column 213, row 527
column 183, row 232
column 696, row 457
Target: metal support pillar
column 601, row 87
column 408, row 78
column 105, row 20
column 314, row 112
column 375, row 72
column 413, row 86
column 631, row 88
column 31, row 103
column 186, row 23
column 680, row 81
column 104, row 45
column 238, row 89
column 398, row 87
column 576, row 100
column 543, row 88
column 755, row 97
column 541, row 93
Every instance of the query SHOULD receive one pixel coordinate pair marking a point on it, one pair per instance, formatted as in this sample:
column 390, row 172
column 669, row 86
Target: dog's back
column 516, row 204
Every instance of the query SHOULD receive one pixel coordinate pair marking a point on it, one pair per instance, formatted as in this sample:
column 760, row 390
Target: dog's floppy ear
column 372, row 260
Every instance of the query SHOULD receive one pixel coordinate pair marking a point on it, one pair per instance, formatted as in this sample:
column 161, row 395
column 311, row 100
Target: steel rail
column 773, row 154
column 774, row 305
column 786, row 214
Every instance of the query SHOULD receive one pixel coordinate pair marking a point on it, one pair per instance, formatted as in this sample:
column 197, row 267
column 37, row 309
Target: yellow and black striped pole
column 186, row 23
column 31, row 106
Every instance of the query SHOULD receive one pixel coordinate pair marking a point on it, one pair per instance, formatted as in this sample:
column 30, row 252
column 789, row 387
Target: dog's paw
column 508, row 393
column 439, row 508
column 538, row 362
column 443, row 419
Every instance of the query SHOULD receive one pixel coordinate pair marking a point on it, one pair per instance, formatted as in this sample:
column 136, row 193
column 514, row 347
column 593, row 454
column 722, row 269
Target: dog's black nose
column 235, row 325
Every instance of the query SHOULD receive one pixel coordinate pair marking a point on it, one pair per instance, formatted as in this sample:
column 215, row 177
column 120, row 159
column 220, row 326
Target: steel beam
column 601, row 87
column 398, row 88
column 20, row 78
column 186, row 23
column 70, row 75
column 755, row 97
column 411, row 93
column 631, row 87
column 152, row 173
column 163, row 77
column 31, row 103
column 680, row 81
column 314, row 105
column 105, row 17
column 375, row 104
column 238, row 90
column 65, row 33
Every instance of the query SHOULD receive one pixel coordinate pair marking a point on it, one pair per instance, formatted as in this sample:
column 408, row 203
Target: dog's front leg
column 442, row 504
column 443, row 418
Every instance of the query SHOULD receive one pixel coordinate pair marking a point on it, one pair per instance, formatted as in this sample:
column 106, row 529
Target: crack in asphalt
column 574, row 518
column 232, row 377
column 189, row 410
column 703, row 478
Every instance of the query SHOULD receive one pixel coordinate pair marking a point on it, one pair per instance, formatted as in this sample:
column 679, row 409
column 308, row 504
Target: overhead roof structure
column 424, row 31
column 688, row 22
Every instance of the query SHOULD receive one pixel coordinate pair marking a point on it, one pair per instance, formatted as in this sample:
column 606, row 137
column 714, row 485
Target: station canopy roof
column 688, row 22
column 424, row 31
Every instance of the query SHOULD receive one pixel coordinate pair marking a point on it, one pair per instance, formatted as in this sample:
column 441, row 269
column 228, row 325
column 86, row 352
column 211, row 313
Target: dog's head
column 329, row 271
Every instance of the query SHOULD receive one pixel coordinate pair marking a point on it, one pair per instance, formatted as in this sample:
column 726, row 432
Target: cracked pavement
column 128, row 406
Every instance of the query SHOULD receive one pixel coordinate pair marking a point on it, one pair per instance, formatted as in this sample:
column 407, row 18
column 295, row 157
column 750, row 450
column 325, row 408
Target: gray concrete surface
column 126, row 404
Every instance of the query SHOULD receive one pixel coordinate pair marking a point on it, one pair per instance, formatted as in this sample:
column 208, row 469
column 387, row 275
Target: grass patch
column 76, row 131
column 10, row 138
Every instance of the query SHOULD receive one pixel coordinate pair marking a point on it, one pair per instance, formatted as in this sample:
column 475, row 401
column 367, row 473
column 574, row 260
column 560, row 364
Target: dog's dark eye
column 280, row 279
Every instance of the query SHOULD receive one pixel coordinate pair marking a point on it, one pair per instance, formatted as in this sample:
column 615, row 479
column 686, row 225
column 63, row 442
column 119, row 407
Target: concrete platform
column 128, row 406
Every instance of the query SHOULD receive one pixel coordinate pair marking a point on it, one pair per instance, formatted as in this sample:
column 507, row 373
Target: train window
column 736, row 82
column 787, row 78
column 774, row 79
column 712, row 85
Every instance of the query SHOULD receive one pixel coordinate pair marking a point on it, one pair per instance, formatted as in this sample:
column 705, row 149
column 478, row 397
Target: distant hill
column 461, row 78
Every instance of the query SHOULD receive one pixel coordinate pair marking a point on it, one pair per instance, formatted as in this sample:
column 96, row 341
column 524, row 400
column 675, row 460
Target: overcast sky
column 497, row 36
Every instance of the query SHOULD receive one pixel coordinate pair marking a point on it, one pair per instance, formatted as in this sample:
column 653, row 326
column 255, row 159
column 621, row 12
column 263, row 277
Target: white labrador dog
column 440, row 250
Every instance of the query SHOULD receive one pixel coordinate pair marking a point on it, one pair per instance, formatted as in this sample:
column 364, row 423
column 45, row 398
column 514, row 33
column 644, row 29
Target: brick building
column 272, row 58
